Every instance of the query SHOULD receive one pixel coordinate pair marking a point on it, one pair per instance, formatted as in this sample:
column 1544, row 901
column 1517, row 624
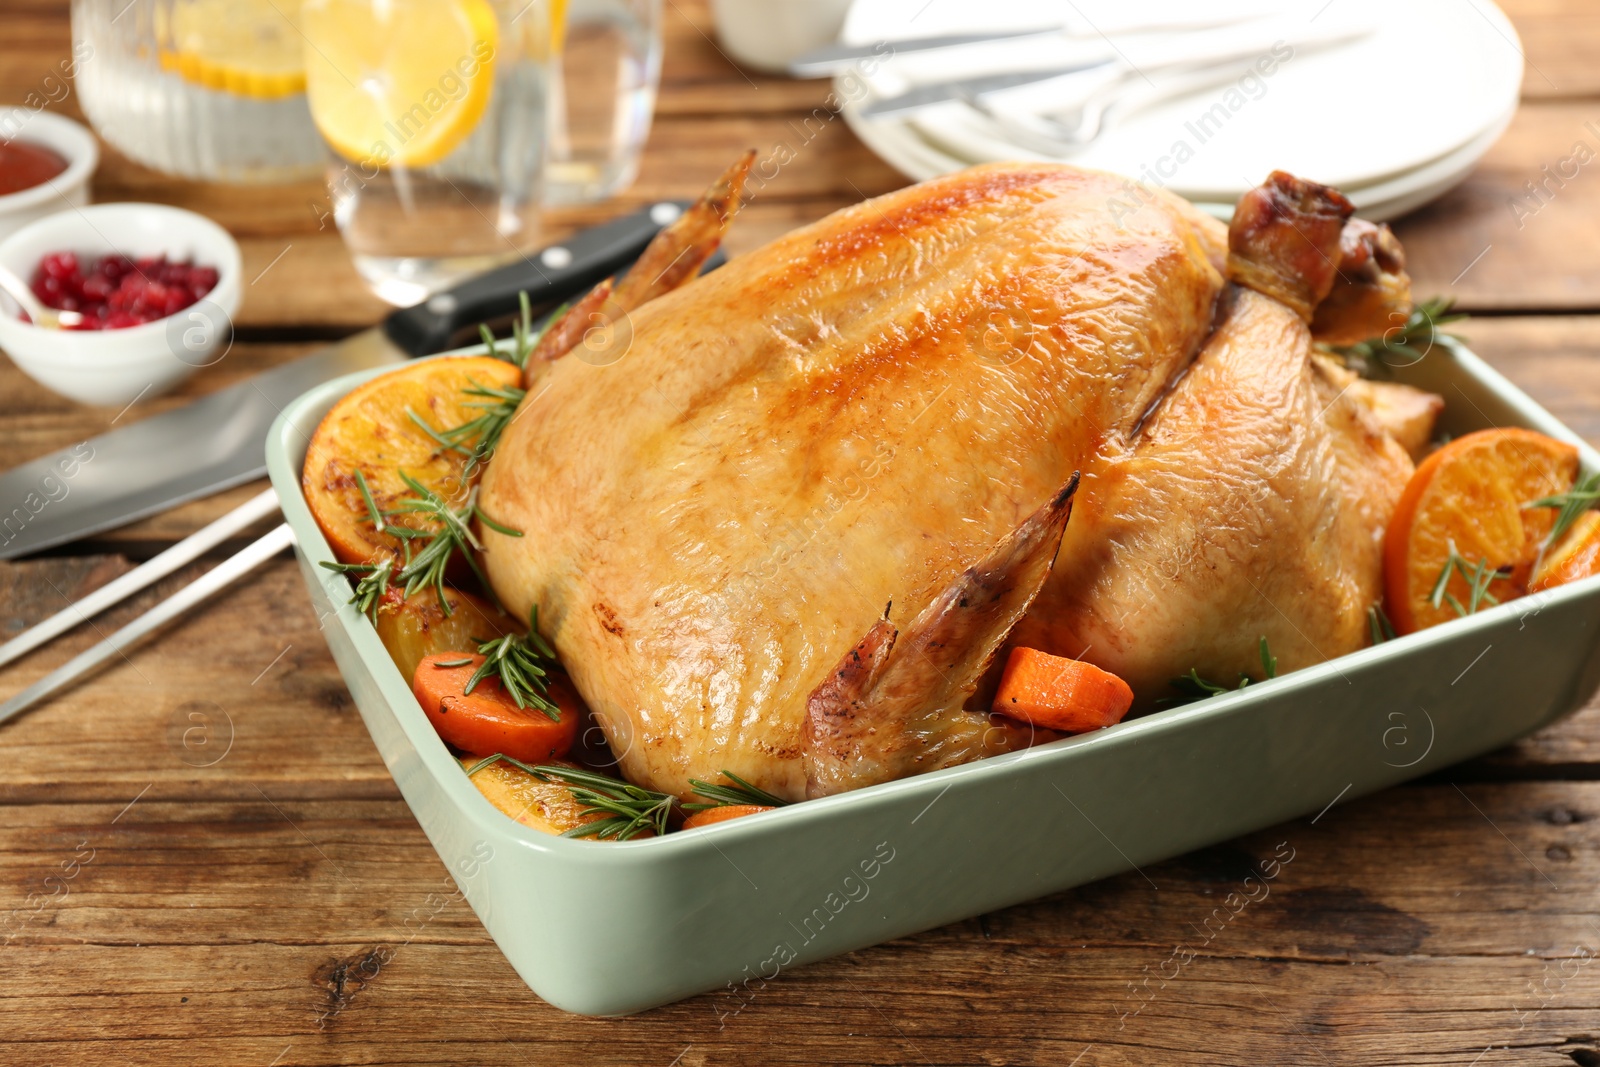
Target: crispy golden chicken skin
column 1252, row 505
column 893, row 406
column 1253, row 501
column 851, row 416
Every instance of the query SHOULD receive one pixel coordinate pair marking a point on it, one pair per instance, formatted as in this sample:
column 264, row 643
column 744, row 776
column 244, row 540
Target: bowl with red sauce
column 45, row 165
column 157, row 288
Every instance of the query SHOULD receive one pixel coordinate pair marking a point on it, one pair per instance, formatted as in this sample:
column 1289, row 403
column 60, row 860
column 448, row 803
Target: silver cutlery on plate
column 838, row 58
column 1134, row 60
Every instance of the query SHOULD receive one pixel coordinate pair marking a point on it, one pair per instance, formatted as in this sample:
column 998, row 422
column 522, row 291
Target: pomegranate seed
column 117, row 292
column 59, row 264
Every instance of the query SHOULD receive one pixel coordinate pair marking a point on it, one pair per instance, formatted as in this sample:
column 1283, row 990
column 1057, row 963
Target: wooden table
column 206, row 862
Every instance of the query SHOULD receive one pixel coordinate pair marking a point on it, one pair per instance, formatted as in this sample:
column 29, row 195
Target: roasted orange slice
column 1576, row 555
column 393, row 425
column 418, row 626
column 1466, row 509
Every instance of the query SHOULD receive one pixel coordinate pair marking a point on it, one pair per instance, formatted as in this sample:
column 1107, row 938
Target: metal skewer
column 190, row 596
column 152, row 570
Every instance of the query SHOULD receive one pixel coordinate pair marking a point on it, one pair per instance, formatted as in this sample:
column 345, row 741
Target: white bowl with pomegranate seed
column 157, row 286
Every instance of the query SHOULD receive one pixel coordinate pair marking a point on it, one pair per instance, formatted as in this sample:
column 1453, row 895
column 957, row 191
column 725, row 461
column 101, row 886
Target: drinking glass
column 418, row 219
column 602, row 94
column 207, row 89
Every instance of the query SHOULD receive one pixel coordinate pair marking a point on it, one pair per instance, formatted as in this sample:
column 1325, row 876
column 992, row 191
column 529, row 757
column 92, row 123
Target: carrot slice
column 722, row 814
column 1472, row 494
column 1060, row 693
column 375, row 432
column 1575, row 556
column 487, row 720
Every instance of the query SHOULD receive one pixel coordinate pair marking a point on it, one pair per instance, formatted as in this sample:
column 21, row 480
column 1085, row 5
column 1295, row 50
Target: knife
column 220, row 440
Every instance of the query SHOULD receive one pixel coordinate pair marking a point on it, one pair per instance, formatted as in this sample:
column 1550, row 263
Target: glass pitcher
column 206, row 89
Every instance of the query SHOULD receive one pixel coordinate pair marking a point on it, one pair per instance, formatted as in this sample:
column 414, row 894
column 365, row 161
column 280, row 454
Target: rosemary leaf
column 1574, row 502
column 1192, row 687
column 1478, row 577
column 1379, row 626
column 740, row 792
column 373, row 513
column 371, row 586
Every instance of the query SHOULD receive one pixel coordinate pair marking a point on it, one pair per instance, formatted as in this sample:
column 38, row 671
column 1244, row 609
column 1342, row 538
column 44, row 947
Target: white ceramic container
column 115, row 367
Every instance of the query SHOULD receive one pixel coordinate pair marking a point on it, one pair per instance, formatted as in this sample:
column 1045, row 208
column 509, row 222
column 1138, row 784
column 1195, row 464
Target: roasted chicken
column 786, row 525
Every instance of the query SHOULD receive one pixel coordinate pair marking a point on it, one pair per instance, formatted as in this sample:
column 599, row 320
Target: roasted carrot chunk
column 1060, row 693
column 487, row 720
column 722, row 814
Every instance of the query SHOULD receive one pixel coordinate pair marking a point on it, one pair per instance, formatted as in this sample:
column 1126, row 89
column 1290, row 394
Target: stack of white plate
column 1391, row 101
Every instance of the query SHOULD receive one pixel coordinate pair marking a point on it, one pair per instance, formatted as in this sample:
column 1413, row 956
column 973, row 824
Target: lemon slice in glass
column 398, row 81
column 245, row 47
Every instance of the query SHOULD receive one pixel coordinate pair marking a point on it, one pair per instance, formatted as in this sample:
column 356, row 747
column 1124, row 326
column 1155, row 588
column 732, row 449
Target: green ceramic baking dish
column 733, row 905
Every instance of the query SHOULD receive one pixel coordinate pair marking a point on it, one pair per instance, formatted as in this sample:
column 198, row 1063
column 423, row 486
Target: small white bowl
column 767, row 34
column 116, row 367
column 70, row 188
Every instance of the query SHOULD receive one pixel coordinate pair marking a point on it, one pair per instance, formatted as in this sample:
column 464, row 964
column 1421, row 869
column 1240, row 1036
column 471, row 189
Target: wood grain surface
column 204, row 861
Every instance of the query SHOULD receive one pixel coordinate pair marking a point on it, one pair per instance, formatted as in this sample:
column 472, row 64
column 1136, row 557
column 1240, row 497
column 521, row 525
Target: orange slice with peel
column 1465, row 509
column 1575, row 556
column 250, row 48
column 377, row 431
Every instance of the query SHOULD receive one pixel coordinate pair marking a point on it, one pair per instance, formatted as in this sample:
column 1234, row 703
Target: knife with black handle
column 219, row 441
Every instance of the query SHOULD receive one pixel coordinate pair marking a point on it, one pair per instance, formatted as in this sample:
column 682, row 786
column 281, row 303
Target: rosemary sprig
column 450, row 531
column 1379, row 626
column 522, row 664
column 629, row 810
column 1583, row 495
column 523, row 335
column 1192, row 686
column 372, row 584
column 1478, row 577
column 477, row 438
column 1403, row 345
column 740, row 792
column 451, row 527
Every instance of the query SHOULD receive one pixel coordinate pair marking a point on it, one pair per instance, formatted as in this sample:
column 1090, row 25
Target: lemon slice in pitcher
column 244, row 47
column 398, row 81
